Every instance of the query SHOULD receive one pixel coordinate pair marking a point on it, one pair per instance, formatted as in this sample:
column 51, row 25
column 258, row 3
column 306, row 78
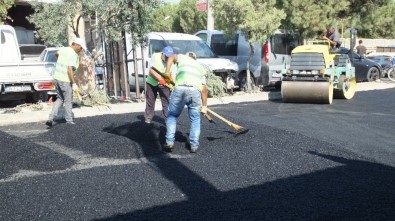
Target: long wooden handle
column 168, row 80
column 220, row 117
column 78, row 95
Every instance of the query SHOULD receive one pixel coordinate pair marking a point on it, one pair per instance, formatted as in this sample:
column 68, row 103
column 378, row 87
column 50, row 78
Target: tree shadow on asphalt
column 15, row 155
column 353, row 190
column 150, row 137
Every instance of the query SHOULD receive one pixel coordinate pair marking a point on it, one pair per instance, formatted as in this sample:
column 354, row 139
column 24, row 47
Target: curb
column 30, row 116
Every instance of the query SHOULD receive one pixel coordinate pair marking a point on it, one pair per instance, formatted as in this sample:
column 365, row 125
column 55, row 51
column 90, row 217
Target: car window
column 203, row 36
column 201, row 49
column 284, row 43
column 278, row 44
column 156, row 46
column 225, row 46
column 373, row 58
column 388, row 58
column 51, row 56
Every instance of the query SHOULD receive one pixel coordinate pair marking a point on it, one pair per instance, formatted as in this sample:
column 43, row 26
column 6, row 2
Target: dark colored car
column 365, row 69
column 383, row 60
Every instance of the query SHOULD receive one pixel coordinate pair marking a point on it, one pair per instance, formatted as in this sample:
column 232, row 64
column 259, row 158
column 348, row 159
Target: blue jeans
column 179, row 97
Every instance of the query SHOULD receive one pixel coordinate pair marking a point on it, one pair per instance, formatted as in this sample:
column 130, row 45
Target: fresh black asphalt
column 297, row 162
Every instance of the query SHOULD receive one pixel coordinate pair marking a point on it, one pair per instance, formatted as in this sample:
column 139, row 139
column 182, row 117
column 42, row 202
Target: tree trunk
column 86, row 76
column 248, row 75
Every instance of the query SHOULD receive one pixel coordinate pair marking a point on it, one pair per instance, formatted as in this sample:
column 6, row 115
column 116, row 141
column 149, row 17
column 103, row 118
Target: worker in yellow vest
column 157, row 85
column 190, row 90
column 67, row 63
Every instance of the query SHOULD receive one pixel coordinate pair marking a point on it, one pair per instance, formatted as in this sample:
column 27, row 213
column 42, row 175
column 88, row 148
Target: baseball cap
column 168, row 51
column 81, row 42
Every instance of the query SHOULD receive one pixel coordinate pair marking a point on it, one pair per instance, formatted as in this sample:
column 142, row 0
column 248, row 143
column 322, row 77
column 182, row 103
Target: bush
column 215, row 86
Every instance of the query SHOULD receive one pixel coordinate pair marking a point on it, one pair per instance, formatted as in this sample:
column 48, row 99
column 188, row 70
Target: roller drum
column 346, row 88
column 307, row 92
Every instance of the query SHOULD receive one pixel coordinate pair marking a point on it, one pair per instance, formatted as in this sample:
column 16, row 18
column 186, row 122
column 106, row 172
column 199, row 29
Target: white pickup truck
column 21, row 79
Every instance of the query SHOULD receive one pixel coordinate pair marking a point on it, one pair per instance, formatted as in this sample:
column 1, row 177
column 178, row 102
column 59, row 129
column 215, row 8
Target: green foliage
column 165, row 19
column 96, row 98
column 137, row 18
column 191, row 20
column 112, row 18
column 377, row 23
column 215, row 86
column 256, row 19
column 45, row 18
column 310, row 18
column 4, row 6
column 372, row 18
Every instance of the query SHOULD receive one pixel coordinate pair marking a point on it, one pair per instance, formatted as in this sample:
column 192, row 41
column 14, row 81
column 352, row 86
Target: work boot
column 168, row 147
column 194, row 149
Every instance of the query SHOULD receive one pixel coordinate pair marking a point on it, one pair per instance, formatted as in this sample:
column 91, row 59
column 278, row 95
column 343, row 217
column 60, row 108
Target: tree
column 165, row 19
column 255, row 19
column 372, row 18
column 310, row 19
column 191, row 20
column 111, row 19
column 4, row 6
column 45, row 18
column 375, row 20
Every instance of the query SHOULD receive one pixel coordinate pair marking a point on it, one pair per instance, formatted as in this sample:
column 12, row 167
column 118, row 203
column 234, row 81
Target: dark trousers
column 151, row 95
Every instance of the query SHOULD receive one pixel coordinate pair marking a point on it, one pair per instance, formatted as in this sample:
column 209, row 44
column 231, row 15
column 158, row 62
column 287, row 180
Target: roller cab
column 317, row 76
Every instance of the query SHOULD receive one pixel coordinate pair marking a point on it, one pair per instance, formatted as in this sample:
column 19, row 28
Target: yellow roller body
column 307, row 92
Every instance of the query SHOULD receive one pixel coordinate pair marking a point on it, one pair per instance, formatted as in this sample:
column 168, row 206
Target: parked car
column 383, row 60
column 365, row 69
column 181, row 43
column 48, row 55
column 268, row 61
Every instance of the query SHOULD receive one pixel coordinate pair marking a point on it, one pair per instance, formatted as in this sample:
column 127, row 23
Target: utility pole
column 210, row 17
column 205, row 5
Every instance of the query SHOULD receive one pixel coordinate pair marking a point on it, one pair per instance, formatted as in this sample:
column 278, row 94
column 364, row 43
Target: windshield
column 201, row 49
column 51, row 56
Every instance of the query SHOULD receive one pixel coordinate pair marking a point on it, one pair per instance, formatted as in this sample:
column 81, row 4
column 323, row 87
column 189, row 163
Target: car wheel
column 391, row 74
column 373, row 74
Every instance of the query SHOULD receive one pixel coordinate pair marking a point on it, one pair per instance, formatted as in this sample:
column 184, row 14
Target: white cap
column 81, row 42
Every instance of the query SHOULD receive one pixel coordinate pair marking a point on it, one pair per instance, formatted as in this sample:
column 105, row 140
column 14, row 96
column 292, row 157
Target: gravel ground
column 117, row 170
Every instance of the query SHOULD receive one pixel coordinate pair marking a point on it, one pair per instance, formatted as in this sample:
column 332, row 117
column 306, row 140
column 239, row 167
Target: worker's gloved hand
column 75, row 87
column 162, row 82
column 168, row 79
column 203, row 109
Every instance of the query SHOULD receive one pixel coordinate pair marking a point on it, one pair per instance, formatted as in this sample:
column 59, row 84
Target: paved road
column 297, row 162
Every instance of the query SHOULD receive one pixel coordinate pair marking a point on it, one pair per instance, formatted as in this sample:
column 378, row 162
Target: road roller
column 317, row 74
